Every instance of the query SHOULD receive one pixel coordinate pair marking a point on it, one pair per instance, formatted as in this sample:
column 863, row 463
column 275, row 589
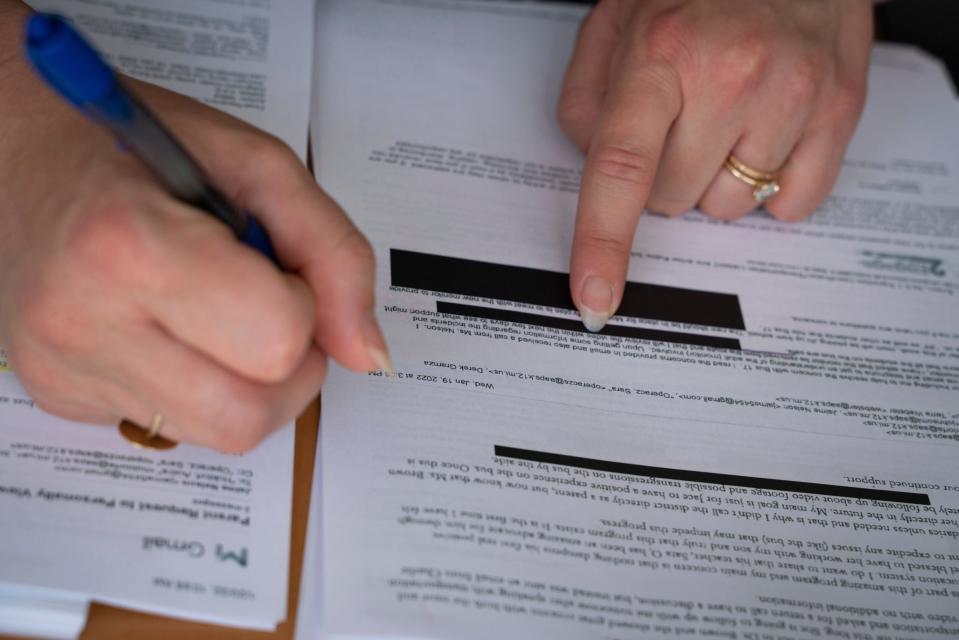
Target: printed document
column 249, row 58
column 763, row 443
column 189, row 532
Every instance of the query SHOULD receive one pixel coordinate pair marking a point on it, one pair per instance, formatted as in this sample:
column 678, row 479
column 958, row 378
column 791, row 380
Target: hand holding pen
column 119, row 300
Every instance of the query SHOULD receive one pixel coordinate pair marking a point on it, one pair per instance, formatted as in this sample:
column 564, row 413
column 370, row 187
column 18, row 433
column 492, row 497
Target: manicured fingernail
column 595, row 303
column 383, row 362
column 376, row 346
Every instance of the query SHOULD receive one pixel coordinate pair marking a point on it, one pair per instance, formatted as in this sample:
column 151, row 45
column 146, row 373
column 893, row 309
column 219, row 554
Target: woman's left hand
column 660, row 93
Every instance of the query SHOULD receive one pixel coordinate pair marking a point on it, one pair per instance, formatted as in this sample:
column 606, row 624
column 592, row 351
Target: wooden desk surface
column 109, row 623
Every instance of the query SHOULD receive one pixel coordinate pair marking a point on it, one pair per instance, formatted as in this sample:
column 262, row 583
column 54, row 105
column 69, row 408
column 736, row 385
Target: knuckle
column 41, row 316
column 743, row 65
column 671, row 37
column 53, row 407
column 750, row 52
column 283, row 351
column 788, row 211
column 724, row 209
column 662, row 80
column 240, row 423
column 604, row 243
column 36, row 377
column 590, row 22
column 672, row 207
column 255, row 426
column 847, row 102
column 804, row 80
column 354, row 250
column 270, row 154
column 69, row 410
column 46, row 315
column 235, row 443
column 576, row 109
column 793, row 206
column 108, row 242
column 628, row 164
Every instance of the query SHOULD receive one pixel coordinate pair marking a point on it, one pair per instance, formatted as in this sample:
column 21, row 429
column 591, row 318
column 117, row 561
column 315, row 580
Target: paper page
column 250, row 58
column 188, row 533
column 42, row 613
column 916, row 61
column 762, row 445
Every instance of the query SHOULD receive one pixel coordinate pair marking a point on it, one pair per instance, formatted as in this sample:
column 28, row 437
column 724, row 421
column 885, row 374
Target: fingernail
column 376, row 346
column 383, row 362
column 595, row 303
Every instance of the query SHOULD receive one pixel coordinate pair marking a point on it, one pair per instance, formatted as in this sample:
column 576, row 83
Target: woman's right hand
column 117, row 301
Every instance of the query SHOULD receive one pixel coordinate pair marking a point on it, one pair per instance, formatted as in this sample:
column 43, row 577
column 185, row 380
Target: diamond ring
column 764, row 183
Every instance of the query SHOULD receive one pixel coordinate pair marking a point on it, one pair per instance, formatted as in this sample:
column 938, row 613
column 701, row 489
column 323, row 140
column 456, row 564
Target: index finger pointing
column 621, row 164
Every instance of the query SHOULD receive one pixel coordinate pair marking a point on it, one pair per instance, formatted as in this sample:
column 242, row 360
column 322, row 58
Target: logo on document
column 191, row 548
column 240, row 557
column 901, row 263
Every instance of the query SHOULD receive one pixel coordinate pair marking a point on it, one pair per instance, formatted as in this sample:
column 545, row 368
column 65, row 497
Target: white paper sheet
column 522, row 480
column 42, row 613
column 187, row 533
column 250, row 58
column 915, row 61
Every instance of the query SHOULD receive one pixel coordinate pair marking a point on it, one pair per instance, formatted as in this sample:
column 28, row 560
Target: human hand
column 117, row 301
column 660, row 92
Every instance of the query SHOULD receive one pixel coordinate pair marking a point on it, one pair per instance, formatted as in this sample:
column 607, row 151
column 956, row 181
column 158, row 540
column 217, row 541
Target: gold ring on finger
column 765, row 184
column 146, row 438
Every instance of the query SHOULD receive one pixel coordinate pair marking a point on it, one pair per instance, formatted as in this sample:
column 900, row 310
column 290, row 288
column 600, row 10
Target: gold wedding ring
column 764, row 183
column 146, row 438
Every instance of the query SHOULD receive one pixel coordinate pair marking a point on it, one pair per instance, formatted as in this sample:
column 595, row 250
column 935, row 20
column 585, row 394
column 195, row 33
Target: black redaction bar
column 771, row 484
column 415, row 270
column 575, row 325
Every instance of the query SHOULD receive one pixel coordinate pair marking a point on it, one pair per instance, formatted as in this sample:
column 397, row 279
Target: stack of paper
column 85, row 516
column 763, row 442
column 36, row 612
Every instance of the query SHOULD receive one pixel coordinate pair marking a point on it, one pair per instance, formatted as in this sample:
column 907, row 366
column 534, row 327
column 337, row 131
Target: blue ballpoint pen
column 74, row 69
